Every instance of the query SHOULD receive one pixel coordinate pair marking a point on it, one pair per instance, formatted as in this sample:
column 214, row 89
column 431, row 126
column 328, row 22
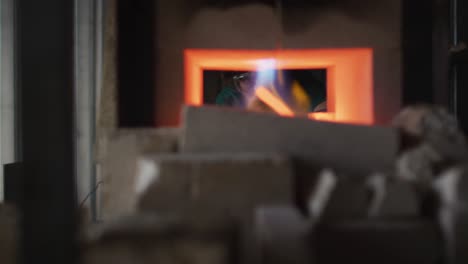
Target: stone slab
column 344, row 147
column 280, row 235
column 232, row 184
column 167, row 239
column 352, row 199
column 117, row 163
column 400, row 200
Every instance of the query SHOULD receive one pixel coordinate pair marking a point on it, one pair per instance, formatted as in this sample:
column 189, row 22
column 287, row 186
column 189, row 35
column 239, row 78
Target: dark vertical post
column 45, row 79
column 459, row 60
column 417, row 51
column 441, row 46
column 136, row 62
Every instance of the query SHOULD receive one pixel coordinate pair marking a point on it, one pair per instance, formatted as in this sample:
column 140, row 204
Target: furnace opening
column 349, row 79
column 301, row 90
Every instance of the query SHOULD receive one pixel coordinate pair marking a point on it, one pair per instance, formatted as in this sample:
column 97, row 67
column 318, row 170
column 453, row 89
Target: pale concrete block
column 230, row 183
column 344, row 147
column 226, row 186
column 118, row 165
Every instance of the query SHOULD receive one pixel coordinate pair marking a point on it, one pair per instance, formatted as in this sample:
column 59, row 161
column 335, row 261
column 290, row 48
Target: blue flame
column 266, row 69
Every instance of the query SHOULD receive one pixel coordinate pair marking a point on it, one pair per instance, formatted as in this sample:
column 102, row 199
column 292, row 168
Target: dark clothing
column 230, row 97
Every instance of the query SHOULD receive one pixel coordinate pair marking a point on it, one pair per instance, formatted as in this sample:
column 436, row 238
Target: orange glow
column 349, row 76
column 273, row 101
column 322, row 116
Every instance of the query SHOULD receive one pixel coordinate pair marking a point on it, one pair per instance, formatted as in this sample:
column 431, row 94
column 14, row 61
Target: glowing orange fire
column 273, row 101
column 349, row 78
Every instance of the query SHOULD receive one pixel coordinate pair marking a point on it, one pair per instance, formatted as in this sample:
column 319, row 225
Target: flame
column 321, row 116
column 280, row 107
column 301, row 100
column 273, row 101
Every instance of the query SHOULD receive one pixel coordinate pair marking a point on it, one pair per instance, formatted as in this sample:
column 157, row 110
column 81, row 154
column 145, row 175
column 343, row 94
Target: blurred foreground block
column 162, row 239
column 377, row 241
column 280, row 236
column 117, row 158
column 9, row 235
column 232, row 184
column 461, row 221
column 351, row 199
column 350, row 148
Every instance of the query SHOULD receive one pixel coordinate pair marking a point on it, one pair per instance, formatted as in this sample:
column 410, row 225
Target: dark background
column 431, row 74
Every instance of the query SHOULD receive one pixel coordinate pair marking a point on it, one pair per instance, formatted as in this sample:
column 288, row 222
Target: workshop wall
column 182, row 24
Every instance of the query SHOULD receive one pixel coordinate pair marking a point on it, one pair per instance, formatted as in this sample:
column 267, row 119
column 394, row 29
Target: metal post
column 440, row 51
column 45, row 76
column 87, row 78
column 7, row 83
column 99, row 38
